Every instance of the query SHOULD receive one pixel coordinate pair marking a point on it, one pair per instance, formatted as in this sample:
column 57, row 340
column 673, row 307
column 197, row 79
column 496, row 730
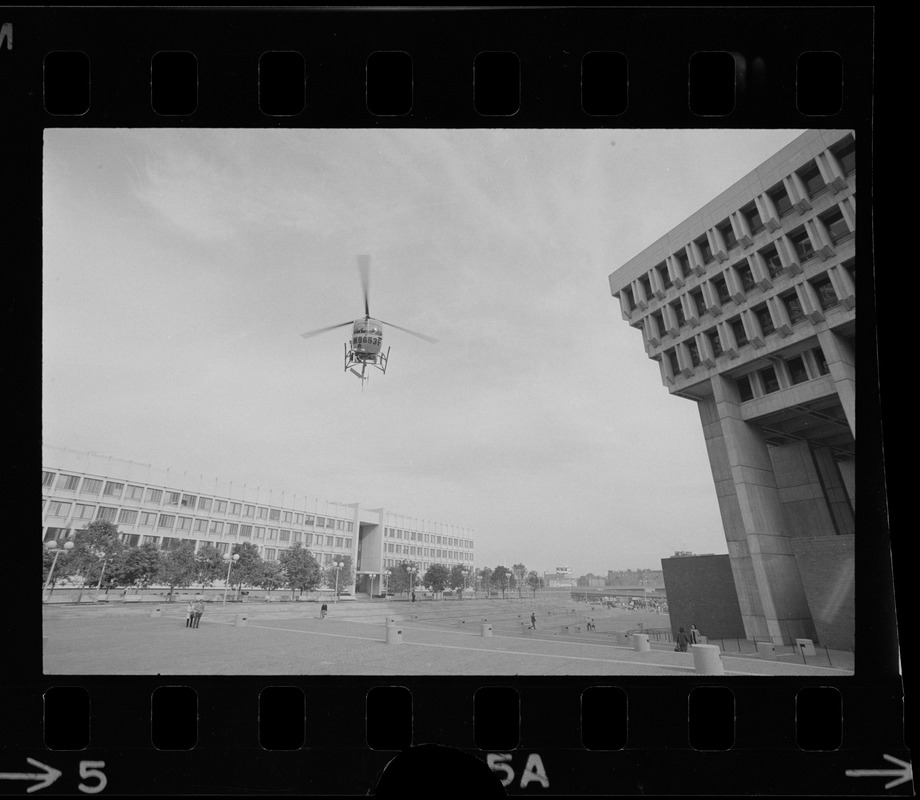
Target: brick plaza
column 434, row 638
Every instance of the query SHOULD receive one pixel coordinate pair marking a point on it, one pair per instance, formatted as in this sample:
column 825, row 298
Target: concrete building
column 165, row 507
column 749, row 309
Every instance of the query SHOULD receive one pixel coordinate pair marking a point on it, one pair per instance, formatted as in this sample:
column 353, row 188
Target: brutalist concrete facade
column 749, row 309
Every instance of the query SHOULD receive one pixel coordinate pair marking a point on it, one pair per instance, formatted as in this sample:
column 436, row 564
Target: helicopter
column 366, row 346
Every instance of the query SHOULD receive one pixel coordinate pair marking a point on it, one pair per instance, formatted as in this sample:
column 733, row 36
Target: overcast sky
column 181, row 267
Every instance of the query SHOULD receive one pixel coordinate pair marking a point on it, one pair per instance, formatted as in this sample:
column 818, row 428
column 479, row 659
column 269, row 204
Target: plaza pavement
column 436, row 639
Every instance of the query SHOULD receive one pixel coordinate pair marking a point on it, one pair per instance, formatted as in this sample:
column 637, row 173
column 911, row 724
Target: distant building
column 166, row 507
column 748, row 307
column 562, row 577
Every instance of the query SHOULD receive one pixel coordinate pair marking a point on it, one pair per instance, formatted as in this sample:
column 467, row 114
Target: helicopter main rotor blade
column 308, row 334
column 364, row 269
column 413, row 333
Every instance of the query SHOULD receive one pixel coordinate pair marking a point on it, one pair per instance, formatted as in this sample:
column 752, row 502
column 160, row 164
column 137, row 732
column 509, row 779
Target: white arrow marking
column 46, row 778
column 902, row 775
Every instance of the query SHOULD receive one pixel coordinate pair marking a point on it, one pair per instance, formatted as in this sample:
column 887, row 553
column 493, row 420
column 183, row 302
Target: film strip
column 427, row 729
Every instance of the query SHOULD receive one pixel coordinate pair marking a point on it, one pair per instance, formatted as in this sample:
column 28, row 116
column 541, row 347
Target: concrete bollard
column 239, row 619
column 707, row 659
column 766, row 650
column 394, row 634
column 156, row 613
column 486, row 629
column 640, row 642
column 806, row 647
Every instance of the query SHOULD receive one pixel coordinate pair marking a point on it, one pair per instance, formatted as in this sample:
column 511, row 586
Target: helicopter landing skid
column 354, row 358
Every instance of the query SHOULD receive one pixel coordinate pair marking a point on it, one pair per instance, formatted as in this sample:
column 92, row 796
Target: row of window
column 413, row 550
column 786, row 255
column 793, row 193
column 121, row 491
column 806, row 301
column 451, row 541
column 783, row 373
column 167, row 543
column 149, row 519
column 390, row 563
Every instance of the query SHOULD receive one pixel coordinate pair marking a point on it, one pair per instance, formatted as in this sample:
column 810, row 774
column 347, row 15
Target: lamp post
column 57, row 549
column 338, row 566
column 411, row 569
column 231, row 560
column 372, row 575
column 386, row 585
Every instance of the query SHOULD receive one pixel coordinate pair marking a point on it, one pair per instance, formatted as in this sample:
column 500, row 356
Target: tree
column 136, row 566
column 437, row 578
column 520, row 575
column 209, row 565
column 534, row 581
column 301, row 569
column 500, row 578
column 345, row 576
column 178, row 567
column 485, row 575
column 248, row 568
column 456, row 579
column 399, row 577
column 271, row 577
column 94, row 546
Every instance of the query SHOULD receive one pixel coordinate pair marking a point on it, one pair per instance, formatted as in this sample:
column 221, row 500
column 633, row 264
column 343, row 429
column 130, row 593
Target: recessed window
column 752, row 215
column 835, row 225
column 728, row 234
column 802, row 244
column 646, row 285
column 679, row 314
column 189, row 500
column 166, row 521
column 745, row 275
column 249, row 511
column 113, row 489
column 285, row 536
column 780, row 200
column 216, row 528
column 769, row 380
column 274, row 514
column 684, row 262
column 793, row 307
column 745, row 392
column 659, row 321
column 721, row 290
column 246, row 531
column 672, row 360
column 172, row 498
column 715, row 342
column 705, row 249
column 772, row 260
column 766, row 321
column 135, row 493
column 826, row 293
column 811, row 177
column 845, row 152
column 665, row 276
column 694, row 352
column 184, row 524
column 262, row 513
column 204, row 503
column 233, row 529
column 201, row 525
column 738, row 330
column 630, row 300
column 797, row 371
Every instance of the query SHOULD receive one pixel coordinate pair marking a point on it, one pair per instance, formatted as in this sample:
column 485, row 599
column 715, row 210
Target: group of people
column 195, row 610
column 685, row 639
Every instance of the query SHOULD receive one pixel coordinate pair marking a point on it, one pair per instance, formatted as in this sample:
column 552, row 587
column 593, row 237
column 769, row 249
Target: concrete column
column 841, row 361
column 770, row 592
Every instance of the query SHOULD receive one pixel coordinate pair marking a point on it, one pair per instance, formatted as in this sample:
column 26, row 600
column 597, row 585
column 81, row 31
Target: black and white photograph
column 449, row 401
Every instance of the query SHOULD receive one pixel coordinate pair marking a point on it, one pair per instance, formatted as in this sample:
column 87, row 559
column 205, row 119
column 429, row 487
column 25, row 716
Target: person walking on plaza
column 323, row 610
column 682, row 641
column 190, row 615
column 694, row 635
column 533, row 620
column 199, row 610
